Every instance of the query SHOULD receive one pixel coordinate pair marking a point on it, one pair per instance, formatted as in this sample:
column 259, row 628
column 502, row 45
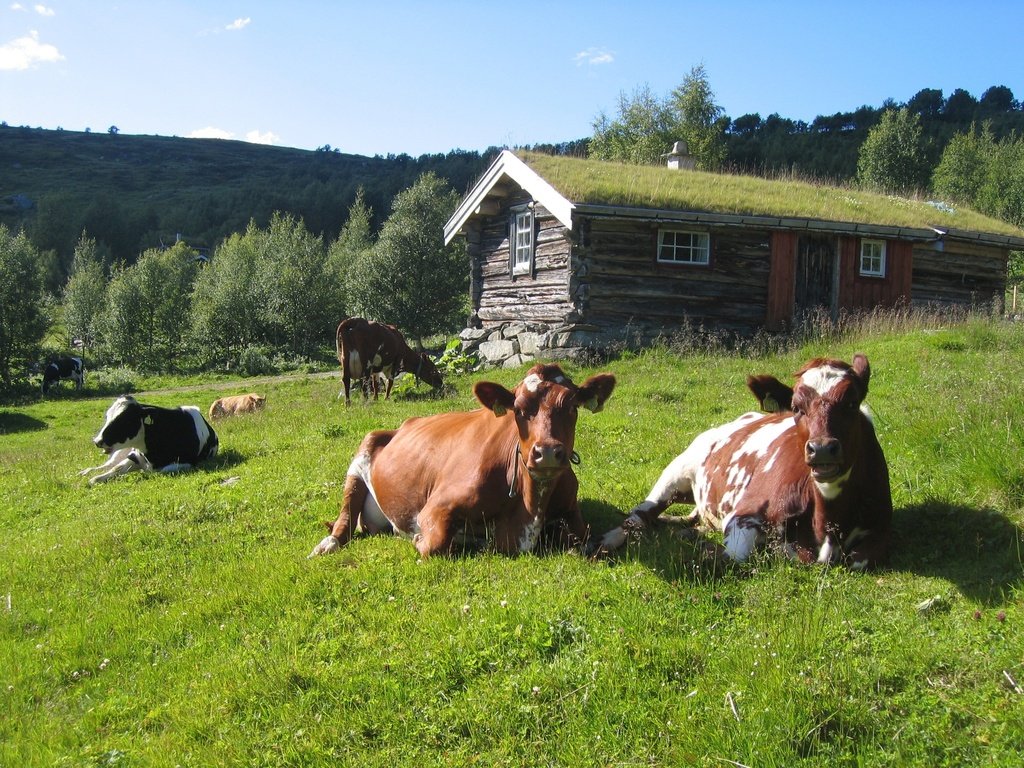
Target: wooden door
column 815, row 276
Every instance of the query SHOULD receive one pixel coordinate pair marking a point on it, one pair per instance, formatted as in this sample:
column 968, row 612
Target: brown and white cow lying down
column 367, row 348
column 811, row 475
column 237, row 404
column 500, row 471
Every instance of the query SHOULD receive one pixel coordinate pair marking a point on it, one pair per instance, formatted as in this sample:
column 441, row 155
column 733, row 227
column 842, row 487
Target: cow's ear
column 863, row 371
column 772, row 394
column 595, row 391
column 494, row 397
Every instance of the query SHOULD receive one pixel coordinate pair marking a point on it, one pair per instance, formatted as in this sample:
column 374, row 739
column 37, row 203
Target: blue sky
column 380, row 77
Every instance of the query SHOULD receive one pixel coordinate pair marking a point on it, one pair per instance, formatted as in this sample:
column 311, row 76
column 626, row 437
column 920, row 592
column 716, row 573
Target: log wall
column 623, row 285
column 961, row 274
column 542, row 297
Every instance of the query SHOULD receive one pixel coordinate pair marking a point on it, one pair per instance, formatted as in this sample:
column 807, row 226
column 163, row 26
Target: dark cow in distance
column 367, row 349
column 150, row 438
column 811, row 474
column 502, row 471
column 63, row 368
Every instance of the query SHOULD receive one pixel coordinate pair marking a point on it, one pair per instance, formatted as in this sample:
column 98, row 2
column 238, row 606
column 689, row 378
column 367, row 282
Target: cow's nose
column 548, row 455
column 823, row 451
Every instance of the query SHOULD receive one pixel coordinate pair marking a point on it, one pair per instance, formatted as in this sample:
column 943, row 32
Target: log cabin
column 569, row 254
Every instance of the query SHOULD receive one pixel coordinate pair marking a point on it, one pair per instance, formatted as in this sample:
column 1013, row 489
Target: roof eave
column 510, row 166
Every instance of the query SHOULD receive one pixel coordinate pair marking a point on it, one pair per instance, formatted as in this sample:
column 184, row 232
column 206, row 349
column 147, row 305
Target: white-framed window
column 521, row 242
column 872, row 258
column 680, row 246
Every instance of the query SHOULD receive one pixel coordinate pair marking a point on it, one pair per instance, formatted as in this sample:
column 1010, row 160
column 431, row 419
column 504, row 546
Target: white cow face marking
column 532, row 382
column 823, row 378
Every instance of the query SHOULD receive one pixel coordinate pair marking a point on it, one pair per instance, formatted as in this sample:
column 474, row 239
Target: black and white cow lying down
column 150, row 438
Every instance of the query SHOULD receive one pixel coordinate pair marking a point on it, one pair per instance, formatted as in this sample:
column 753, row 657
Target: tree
column 145, row 321
column 997, row 99
column 643, row 131
column 892, row 159
column 986, row 174
column 961, row 172
column 23, row 317
column 227, row 312
column 927, row 102
column 699, row 121
column 959, row 107
column 410, row 278
column 301, row 295
column 85, row 293
column 355, row 239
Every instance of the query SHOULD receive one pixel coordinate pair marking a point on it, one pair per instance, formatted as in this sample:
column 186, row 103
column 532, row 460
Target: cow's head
column 122, row 427
column 427, row 371
column 826, row 405
column 545, row 406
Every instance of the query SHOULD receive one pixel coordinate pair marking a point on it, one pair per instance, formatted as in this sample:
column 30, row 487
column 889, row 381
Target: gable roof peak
column 507, row 166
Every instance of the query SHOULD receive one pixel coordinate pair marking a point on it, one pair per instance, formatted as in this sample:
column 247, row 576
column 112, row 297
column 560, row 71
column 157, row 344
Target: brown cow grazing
column 811, row 474
column 502, row 470
column 367, row 348
column 237, row 404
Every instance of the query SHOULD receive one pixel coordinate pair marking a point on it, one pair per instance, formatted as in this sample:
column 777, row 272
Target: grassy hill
column 134, row 192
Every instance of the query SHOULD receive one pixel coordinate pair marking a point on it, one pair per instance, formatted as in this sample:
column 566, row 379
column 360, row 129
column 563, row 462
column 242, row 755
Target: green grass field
column 175, row 620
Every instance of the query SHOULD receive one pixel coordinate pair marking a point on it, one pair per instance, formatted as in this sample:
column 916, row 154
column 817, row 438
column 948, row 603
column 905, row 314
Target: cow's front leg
column 121, row 463
column 353, row 499
column 564, row 510
column 674, row 485
column 742, row 534
column 436, row 533
column 517, row 533
column 866, row 551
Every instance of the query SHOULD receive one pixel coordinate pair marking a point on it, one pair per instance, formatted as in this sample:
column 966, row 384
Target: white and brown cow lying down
column 502, row 471
column 236, row 404
column 368, row 349
column 150, row 438
column 810, row 475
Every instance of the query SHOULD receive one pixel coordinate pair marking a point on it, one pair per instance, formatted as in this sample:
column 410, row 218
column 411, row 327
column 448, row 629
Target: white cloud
column 594, row 57
column 27, row 52
column 239, row 24
column 255, row 137
column 18, row 7
column 42, row 10
column 210, row 133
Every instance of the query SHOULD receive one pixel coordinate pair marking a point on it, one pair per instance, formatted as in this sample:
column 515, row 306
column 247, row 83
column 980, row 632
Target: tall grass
column 175, row 620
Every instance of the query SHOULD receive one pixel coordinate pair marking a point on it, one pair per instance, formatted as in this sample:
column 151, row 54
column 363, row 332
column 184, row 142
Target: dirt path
column 242, row 383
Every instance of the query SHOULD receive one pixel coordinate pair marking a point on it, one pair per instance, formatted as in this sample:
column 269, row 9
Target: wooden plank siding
column 781, row 285
column 859, row 292
column 627, row 286
column 542, row 297
column 961, row 274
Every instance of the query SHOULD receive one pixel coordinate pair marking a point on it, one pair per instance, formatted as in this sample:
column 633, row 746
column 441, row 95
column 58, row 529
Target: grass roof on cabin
column 607, row 183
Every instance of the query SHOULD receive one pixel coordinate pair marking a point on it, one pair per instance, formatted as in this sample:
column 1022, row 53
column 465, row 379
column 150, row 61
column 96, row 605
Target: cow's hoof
column 325, row 547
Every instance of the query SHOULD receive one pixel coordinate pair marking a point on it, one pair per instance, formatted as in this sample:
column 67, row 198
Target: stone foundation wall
column 511, row 344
